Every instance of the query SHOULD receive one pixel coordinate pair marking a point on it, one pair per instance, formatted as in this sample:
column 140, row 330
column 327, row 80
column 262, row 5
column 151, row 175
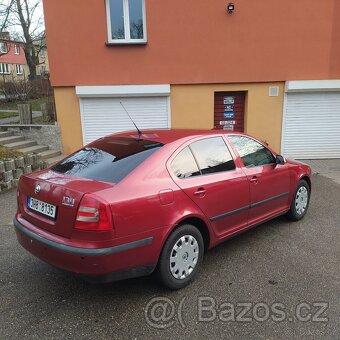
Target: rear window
column 109, row 159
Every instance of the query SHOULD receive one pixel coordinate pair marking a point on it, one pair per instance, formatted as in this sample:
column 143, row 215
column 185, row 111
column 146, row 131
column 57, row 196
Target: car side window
column 184, row 165
column 251, row 152
column 212, row 155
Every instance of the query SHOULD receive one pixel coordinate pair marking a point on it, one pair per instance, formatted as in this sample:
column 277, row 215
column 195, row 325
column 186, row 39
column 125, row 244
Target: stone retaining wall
column 11, row 169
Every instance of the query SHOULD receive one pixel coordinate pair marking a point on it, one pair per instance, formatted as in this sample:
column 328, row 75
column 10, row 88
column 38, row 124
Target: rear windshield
column 109, row 159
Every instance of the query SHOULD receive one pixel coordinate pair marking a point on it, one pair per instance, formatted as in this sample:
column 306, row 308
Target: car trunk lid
column 63, row 191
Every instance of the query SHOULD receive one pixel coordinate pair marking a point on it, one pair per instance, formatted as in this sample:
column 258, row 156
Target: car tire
column 181, row 257
column 300, row 201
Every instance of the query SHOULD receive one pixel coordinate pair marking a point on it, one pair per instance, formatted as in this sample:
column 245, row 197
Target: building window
column 3, row 47
column 16, row 49
column 126, row 21
column 19, row 69
column 5, row 69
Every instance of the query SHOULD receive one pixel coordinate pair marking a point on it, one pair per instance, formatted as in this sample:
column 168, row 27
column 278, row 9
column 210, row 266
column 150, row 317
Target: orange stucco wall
column 192, row 106
column 68, row 111
column 196, row 41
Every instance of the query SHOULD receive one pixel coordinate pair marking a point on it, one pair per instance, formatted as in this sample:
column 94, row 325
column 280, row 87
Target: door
column 206, row 172
column 269, row 182
column 311, row 126
column 103, row 116
column 229, row 111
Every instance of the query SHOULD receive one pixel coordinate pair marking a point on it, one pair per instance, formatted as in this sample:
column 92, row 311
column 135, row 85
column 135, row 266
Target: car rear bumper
column 118, row 262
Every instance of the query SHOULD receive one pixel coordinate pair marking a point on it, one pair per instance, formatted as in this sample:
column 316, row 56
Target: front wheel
column 181, row 256
column 300, row 202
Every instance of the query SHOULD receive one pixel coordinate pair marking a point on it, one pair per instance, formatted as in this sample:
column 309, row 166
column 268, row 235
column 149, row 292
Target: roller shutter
column 311, row 128
column 103, row 116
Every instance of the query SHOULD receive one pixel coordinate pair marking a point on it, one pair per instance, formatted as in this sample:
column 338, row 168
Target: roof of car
column 165, row 136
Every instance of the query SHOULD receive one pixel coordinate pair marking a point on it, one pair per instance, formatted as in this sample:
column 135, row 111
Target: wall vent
column 274, row 91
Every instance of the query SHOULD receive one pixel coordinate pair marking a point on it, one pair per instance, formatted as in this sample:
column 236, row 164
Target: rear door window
column 184, row 165
column 109, row 159
column 212, row 155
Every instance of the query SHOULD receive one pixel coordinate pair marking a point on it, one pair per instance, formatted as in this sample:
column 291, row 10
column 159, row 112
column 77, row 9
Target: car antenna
column 139, row 131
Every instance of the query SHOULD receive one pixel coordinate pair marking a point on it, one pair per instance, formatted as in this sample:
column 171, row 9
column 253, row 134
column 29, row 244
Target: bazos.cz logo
column 162, row 312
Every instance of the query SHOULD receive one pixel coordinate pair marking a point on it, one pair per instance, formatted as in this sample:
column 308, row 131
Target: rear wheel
column 300, row 202
column 181, row 256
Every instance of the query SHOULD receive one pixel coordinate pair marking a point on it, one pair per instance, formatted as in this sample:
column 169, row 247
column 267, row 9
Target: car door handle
column 254, row 179
column 200, row 192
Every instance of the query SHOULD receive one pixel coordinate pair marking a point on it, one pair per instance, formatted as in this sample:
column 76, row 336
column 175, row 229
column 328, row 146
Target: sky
column 38, row 15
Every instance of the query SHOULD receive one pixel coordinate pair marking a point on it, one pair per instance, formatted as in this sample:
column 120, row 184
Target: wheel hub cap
column 301, row 200
column 184, row 257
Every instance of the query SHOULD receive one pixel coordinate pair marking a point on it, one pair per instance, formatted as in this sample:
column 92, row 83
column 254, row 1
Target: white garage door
column 311, row 128
column 103, row 116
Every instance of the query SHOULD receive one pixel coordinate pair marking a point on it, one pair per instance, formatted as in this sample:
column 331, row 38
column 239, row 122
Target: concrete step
column 54, row 160
column 11, row 139
column 4, row 134
column 50, row 154
column 34, row 149
column 22, row 144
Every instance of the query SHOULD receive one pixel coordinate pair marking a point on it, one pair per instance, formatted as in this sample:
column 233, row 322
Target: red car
column 129, row 203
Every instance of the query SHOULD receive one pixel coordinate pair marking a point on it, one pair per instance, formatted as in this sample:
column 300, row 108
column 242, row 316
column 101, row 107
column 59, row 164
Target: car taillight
column 93, row 214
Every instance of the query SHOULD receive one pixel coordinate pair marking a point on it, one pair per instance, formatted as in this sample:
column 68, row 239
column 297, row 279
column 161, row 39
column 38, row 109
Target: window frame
column 194, row 159
column 2, row 68
column 21, row 68
column 5, row 50
column 254, row 140
column 126, row 16
column 16, row 49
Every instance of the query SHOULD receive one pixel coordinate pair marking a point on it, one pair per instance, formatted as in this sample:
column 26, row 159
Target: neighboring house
column 269, row 68
column 43, row 66
column 13, row 64
column 12, row 60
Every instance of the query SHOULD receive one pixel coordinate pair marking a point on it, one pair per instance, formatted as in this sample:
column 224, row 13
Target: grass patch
column 7, row 114
column 9, row 153
column 36, row 104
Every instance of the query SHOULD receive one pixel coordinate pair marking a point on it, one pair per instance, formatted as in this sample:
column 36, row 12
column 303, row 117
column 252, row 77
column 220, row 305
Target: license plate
column 41, row 207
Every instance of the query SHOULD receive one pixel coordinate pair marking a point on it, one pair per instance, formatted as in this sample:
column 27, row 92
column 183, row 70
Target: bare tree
column 34, row 40
column 5, row 13
column 23, row 14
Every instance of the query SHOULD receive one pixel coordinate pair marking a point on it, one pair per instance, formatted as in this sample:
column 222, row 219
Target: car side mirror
column 280, row 160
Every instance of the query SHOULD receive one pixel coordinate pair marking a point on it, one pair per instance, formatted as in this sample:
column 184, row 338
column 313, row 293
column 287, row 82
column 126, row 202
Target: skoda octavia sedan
column 129, row 204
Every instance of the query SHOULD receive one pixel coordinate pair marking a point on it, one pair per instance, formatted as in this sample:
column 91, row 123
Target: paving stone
column 15, row 182
column 27, row 169
column 6, row 185
column 17, row 173
column 19, row 162
column 37, row 158
column 7, row 176
column 2, row 166
column 36, row 167
column 28, row 159
column 44, row 165
column 9, row 165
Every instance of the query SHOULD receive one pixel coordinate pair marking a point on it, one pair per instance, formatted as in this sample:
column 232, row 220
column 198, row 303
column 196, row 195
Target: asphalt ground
column 239, row 292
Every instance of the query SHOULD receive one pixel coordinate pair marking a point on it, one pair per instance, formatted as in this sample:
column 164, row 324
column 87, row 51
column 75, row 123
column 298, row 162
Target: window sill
column 126, row 43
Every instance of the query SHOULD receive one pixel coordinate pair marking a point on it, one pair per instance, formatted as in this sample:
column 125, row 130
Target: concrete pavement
column 295, row 265
column 329, row 168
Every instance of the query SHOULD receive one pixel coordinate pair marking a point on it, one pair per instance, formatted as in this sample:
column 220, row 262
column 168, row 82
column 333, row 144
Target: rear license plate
column 41, row 207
